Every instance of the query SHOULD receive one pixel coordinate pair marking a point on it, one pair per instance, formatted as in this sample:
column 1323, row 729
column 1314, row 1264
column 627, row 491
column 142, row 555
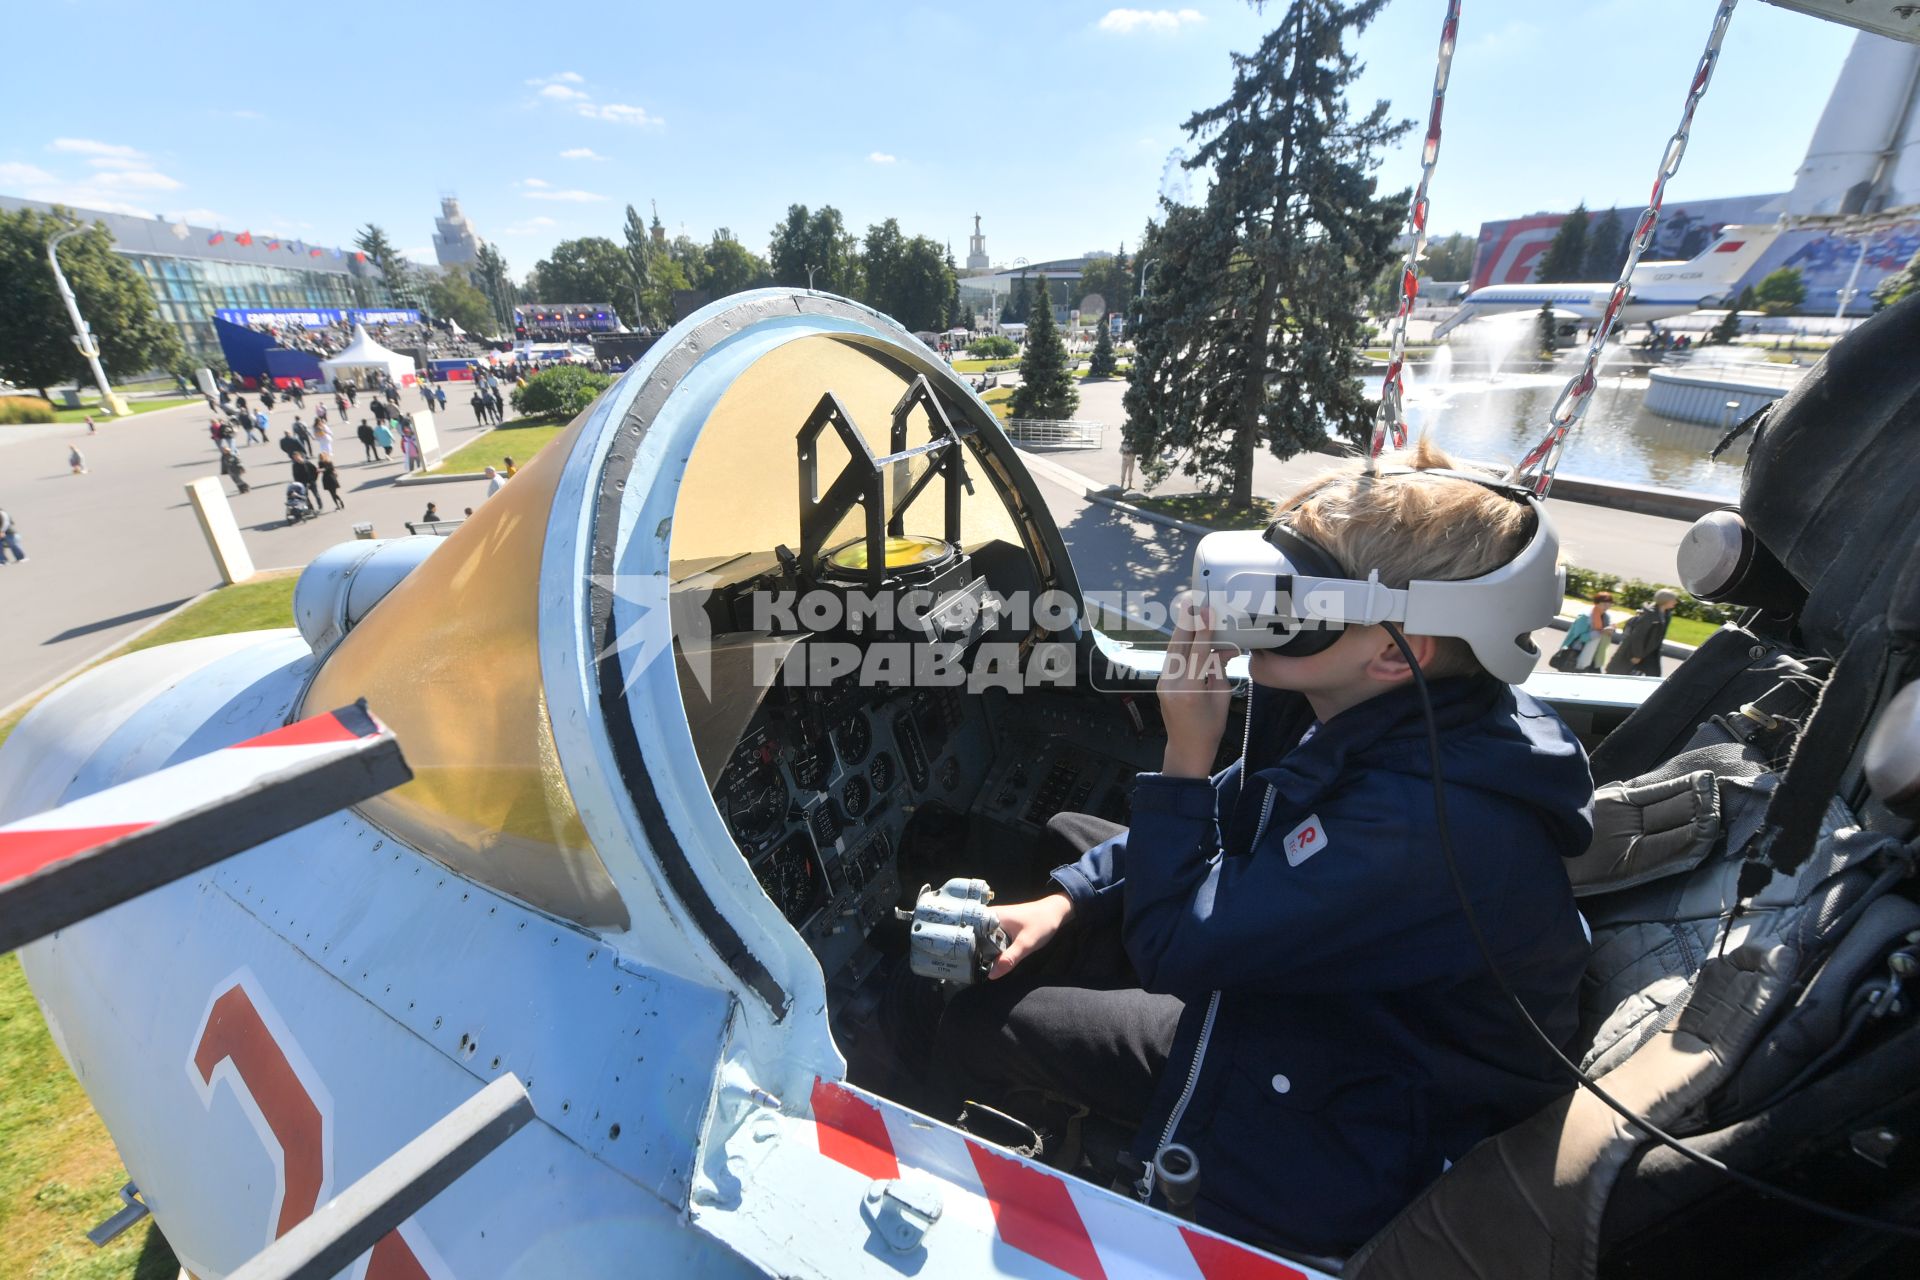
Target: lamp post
column 83, row 336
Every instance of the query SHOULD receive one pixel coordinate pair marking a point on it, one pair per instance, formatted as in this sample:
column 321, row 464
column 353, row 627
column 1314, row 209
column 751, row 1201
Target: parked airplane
column 1659, row 289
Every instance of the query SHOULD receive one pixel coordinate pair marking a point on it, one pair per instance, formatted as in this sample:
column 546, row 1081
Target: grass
column 985, row 366
column 519, row 440
column 59, row 1171
column 1690, row 630
column 137, row 406
column 1000, row 400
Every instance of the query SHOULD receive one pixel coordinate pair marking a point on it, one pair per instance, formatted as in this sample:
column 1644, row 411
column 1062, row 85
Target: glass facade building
column 195, row 271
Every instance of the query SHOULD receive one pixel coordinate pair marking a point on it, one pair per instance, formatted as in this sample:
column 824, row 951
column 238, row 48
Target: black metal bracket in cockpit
column 862, row 481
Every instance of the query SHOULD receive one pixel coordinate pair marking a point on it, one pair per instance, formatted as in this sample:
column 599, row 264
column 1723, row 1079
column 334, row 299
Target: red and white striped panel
column 1073, row 1226
column 32, row 844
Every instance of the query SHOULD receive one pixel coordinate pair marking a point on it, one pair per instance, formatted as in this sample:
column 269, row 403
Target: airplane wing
column 61, row 866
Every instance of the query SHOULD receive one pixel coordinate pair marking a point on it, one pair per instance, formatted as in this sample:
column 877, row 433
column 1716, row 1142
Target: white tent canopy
column 364, row 359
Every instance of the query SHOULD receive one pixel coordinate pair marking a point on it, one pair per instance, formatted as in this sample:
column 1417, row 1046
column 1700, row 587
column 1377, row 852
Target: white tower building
column 455, row 242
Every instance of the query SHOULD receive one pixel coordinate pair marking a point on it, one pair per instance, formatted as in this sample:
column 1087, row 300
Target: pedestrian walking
column 340, row 402
column 1126, row 466
column 91, row 428
column 307, row 476
column 1588, row 637
column 379, row 409
column 410, row 447
column 383, row 436
column 440, row 397
column 510, row 471
column 479, row 406
column 1642, row 636
column 9, row 538
column 305, row 438
column 260, row 425
column 365, row 432
column 350, row 401
column 266, row 393
column 499, row 405
column 322, row 438
column 75, row 461
column 289, row 444
column 330, row 481
column 495, row 482
column 233, row 469
column 426, row 393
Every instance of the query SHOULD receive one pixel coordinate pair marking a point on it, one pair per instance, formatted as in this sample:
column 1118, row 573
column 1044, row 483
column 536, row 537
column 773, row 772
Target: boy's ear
column 1389, row 666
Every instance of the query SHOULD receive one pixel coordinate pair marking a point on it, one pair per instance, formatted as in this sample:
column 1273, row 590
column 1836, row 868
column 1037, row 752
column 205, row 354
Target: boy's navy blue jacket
column 1342, row 1041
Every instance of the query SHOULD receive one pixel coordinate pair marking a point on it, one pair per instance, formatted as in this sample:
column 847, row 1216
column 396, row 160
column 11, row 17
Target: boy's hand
column 1029, row 926
column 1194, row 693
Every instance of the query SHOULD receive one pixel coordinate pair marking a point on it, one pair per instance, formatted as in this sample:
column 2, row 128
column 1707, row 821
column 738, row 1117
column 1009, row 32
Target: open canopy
column 364, row 358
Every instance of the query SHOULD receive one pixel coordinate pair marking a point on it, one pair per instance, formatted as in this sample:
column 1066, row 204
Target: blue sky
column 1052, row 120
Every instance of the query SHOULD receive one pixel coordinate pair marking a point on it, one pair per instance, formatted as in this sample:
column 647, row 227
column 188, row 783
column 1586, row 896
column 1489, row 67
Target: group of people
column 1591, row 635
column 489, row 406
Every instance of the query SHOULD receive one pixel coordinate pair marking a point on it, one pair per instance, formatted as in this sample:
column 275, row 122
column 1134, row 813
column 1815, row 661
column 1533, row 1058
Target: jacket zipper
column 1145, row 1186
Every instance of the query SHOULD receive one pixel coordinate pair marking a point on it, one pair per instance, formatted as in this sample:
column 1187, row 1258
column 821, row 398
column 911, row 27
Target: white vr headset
column 1277, row 590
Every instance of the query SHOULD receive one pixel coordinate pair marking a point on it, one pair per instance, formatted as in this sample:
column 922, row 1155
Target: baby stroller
column 299, row 503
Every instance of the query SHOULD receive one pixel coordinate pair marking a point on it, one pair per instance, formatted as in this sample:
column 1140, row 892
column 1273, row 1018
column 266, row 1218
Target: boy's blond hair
column 1413, row 527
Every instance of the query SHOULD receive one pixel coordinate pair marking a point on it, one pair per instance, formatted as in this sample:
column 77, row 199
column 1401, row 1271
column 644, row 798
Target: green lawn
column 1000, row 400
column 971, row 365
column 59, row 1172
column 519, row 440
column 1690, row 630
column 137, row 406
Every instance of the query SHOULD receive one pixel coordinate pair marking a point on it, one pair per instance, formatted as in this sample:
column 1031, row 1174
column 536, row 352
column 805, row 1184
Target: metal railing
column 1056, row 433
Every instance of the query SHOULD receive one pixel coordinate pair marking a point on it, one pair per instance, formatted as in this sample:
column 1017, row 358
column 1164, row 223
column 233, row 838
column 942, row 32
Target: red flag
column 216, row 237
column 359, row 257
column 314, row 253
column 273, row 244
column 245, row 237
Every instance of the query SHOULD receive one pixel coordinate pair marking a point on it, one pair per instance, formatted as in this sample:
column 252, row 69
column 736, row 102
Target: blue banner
column 317, row 318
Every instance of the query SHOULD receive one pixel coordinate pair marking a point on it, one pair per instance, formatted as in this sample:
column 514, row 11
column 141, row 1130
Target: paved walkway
column 111, row 550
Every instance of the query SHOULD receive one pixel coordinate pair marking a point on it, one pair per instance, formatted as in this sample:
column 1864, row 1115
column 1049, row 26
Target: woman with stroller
column 232, row 468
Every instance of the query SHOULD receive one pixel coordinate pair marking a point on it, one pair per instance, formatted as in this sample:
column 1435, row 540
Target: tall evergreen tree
column 1567, row 255
column 639, row 257
column 1102, row 363
column 386, row 259
column 1545, row 340
column 490, row 268
column 1019, row 303
column 1606, row 248
column 959, row 316
column 1046, row 387
column 1251, row 330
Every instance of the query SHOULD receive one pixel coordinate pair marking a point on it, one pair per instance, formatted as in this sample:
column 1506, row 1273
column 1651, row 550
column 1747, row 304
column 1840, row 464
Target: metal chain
column 1571, row 407
column 1391, row 418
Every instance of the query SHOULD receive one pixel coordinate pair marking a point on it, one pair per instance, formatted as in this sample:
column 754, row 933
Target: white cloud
column 137, row 180
column 89, row 147
column 581, row 153
column 570, row 195
column 561, row 77
column 533, row 182
column 619, row 113
column 15, row 176
column 881, row 157
column 1126, row 21
column 561, row 93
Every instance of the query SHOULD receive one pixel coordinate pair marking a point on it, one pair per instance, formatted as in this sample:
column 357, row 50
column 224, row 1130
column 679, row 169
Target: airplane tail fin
column 1711, row 274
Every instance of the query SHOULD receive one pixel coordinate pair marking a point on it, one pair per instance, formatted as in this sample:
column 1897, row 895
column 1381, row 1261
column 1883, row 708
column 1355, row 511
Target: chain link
column 1391, row 419
column 1537, row 468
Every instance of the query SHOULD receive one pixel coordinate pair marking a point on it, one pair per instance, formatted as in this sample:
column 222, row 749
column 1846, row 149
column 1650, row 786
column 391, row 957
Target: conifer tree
column 1606, row 248
column 1250, row 331
column 1102, row 363
column 1546, row 342
column 1567, row 255
column 1046, row 387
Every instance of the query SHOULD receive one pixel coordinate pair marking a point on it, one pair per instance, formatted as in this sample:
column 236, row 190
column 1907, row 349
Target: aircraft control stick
column 955, row 935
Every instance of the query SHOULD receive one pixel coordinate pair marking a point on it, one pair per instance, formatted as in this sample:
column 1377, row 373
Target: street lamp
column 83, row 336
column 1144, row 264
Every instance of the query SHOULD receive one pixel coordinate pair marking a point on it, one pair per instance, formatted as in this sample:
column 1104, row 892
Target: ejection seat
column 1751, row 893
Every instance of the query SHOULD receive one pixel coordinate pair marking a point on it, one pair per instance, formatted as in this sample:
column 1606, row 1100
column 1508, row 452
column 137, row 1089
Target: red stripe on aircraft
column 235, row 1031
column 1729, row 246
column 1224, row 1260
column 853, row 1132
column 1035, row 1213
column 311, row 732
column 24, row 852
column 393, row 1259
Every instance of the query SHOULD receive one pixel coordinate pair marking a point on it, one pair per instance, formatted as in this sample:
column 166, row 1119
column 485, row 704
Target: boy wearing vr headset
column 1271, row 967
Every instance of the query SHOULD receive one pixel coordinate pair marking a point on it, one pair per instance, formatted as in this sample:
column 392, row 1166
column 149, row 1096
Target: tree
column 1781, row 292
column 1567, row 255
column 1019, row 303
column 907, row 279
column 639, row 265
column 1448, row 259
column 1726, row 328
column 386, row 259
column 36, row 334
column 1251, row 329
column 590, row 269
column 1046, row 387
column 1546, row 340
column 1102, row 364
column 490, row 274
column 1898, row 284
column 563, row 391
column 732, row 267
column 1606, row 248
column 450, row 297
column 691, row 257
column 820, row 241
column 959, row 315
